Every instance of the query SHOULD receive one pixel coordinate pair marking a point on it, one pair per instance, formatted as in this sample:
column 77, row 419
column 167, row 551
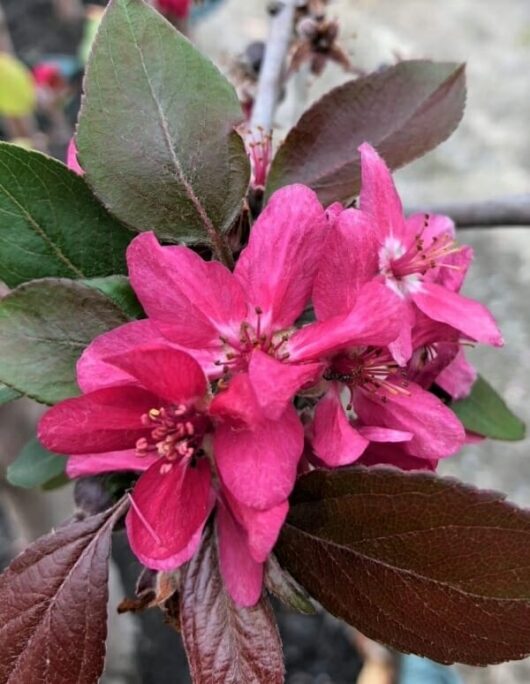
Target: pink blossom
column 160, row 422
column 439, row 358
column 71, row 158
column 236, row 325
column 359, row 319
column 417, row 258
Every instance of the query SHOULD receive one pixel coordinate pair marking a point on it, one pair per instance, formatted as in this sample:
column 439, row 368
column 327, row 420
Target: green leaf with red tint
column 156, row 132
column 486, row 413
column 404, row 111
column 53, row 612
column 424, row 564
column 44, row 327
column 224, row 642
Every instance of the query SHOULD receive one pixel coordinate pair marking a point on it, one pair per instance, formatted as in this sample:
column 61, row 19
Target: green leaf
column 156, row 132
column 487, row 414
column 56, row 483
column 424, row 564
column 120, row 291
column 35, row 466
column 8, row 394
column 403, row 111
column 51, row 224
column 44, row 327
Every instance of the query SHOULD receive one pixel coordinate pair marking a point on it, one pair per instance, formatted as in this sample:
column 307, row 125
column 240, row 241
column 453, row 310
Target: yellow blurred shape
column 17, row 89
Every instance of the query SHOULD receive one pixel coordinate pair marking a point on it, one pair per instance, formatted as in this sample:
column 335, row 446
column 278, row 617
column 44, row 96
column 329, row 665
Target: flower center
column 370, row 369
column 236, row 353
column 177, row 434
column 406, row 267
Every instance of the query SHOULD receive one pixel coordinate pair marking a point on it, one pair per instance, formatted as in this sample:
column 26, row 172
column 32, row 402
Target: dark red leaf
column 404, row 111
column 53, row 605
column 423, row 564
column 226, row 644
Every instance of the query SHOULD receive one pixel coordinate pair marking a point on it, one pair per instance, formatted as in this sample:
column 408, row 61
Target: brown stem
column 503, row 211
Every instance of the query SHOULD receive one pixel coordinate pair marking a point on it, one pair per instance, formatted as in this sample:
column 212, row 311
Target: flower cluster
column 225, row 392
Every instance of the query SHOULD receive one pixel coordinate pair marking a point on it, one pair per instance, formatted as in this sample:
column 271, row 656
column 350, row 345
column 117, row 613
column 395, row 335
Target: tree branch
column 272, row 71
column 504, row 211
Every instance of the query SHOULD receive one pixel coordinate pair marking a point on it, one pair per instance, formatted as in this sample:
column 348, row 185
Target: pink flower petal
column 333, row 212
column 349, row 260
column 437, row 225
column 238, row 403
column 335, row 441
column 262, row 527
column 242, row 575
column 437, row 431
column 275, row 383
column 104, row 420
column 380, row 199
column 95, row 372
column 278, row 266
column 474, row 438
column 395, row 455
column 258, row 466
column 168, row 512
column 108, row 462
column 375, row 320
column 379, row 434
column 453, row 278
column 401, row 347
column 458, row 377
column 191, row 301
column 71, row 158
column 168, row 373
column 466, row 315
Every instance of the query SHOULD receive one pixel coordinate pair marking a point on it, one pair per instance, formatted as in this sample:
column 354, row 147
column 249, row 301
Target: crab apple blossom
column 416, row 257
column 232, row 323
column 161, row 423
column 384, row 398
column 439, row 358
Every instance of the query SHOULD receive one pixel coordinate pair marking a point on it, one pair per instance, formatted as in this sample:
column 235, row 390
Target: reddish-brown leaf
column 424, row 564
column 226, row 644
column 53, row 605
column 404, row 111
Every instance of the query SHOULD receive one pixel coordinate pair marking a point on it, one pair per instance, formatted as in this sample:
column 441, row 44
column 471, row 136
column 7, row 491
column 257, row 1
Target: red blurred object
column 178, row 8
column 48, row 75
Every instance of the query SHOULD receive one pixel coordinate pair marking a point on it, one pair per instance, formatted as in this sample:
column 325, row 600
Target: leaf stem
column 222, row 251
column 273, row 68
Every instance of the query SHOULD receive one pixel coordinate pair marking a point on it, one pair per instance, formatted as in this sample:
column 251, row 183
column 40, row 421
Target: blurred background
column 488, row 157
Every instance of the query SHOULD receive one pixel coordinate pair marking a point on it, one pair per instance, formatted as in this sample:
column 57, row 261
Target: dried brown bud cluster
column 317, row 39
